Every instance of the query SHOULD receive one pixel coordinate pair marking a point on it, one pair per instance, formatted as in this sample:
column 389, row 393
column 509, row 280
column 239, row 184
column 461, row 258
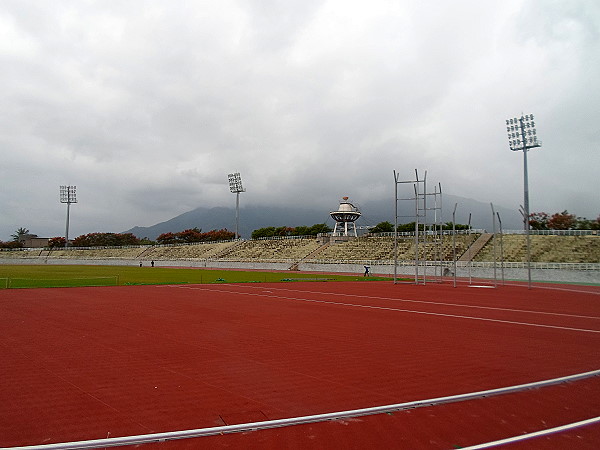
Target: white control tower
column 344, row 218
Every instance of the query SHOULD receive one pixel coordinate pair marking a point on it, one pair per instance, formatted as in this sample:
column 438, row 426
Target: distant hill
column 373, row 212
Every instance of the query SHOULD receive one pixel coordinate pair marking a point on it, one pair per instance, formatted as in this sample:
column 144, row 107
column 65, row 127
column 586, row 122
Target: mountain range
column 373, row 212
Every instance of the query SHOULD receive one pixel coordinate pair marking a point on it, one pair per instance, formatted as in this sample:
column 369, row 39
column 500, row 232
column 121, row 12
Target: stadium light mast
column 68, row 196
column 235, row 186
column 522, row 136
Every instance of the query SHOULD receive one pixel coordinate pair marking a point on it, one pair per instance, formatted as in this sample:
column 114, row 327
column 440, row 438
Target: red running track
column 91, row 363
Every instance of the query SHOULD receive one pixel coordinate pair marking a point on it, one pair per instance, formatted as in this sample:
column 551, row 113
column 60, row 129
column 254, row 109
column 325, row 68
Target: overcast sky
column 146, row 106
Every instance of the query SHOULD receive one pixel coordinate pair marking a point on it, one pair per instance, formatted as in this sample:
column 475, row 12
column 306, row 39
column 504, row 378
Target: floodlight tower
column 522, row 135
column 68, row 196
column 235, row 186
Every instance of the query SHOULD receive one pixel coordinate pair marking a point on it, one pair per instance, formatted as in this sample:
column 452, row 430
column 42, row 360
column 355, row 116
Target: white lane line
column 523, row 437
column 428, row 302
column 558, row 288
column 279, row 423
column 411, row 311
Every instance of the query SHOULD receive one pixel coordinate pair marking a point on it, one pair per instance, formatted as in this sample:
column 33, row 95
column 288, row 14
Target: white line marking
column 429, row 302
column 558, row 288
column 411, row 311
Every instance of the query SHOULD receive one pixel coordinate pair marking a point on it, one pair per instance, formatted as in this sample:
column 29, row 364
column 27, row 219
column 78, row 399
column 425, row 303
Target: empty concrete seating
column 362, row 248
column 544, row 248
column 29, row 253
column 371, row 248
column 273, row 250
column 96, row 253
column 196, row 251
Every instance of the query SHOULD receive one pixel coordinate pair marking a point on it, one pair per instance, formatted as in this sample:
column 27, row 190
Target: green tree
column 19, row 234
column 448, row 226
column 587, row 224
column 382, row 227
column 301, row 230
column 319, row 228
column 263, row 233
column 410, row 227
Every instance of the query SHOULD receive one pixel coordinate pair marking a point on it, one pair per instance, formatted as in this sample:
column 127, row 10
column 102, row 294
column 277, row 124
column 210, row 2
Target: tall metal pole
column 470, row 255
column 454, row 241
column 68, row 196
column 501, row 248
column 67, row 228
column 522, row 135
column 235, row 186
column 416, row 187
column 395, row 227
column 494, row 246
column 526, row 203
column 237, row 215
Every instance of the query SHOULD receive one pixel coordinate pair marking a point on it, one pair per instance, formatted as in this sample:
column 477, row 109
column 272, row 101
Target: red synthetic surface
column 87, row 363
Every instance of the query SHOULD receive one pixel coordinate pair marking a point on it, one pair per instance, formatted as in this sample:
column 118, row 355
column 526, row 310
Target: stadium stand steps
column 296, row 265
column 474, row 249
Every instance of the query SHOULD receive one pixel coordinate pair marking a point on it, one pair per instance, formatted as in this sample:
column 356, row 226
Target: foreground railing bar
column 523, row 437
column 277, row 423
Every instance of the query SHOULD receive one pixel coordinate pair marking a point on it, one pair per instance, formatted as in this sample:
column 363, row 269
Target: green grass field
column 32, row 276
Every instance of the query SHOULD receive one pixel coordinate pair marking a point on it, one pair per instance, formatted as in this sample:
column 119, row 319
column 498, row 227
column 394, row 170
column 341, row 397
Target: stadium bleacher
column 272, row 250
column 544, row 248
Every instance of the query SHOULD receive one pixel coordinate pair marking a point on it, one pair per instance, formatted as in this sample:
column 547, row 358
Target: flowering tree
column 56, row 242
column 195, row 235
column 11, row 244
column 105, row 240
column 190, row 235
column 538, row 221
column 218, row 235
column 167, row 238
column 562, row 221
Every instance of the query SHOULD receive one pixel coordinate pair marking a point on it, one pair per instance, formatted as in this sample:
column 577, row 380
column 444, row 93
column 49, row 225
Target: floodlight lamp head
column 68, row 194
column 235, row 183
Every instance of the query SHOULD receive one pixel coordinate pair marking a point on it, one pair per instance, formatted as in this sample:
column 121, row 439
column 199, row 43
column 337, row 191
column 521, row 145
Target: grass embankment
column 14, row 276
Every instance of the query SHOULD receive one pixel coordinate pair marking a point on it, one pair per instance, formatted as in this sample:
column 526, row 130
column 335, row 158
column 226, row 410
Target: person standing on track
column 366, row 271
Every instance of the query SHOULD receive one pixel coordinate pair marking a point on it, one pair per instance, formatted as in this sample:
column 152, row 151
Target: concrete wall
column 556, row 275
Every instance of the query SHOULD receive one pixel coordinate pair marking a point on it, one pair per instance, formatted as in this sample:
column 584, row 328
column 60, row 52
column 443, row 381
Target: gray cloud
column 147, row 106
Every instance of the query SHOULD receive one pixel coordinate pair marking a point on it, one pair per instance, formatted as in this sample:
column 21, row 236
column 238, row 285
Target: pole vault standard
column 427, row 235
